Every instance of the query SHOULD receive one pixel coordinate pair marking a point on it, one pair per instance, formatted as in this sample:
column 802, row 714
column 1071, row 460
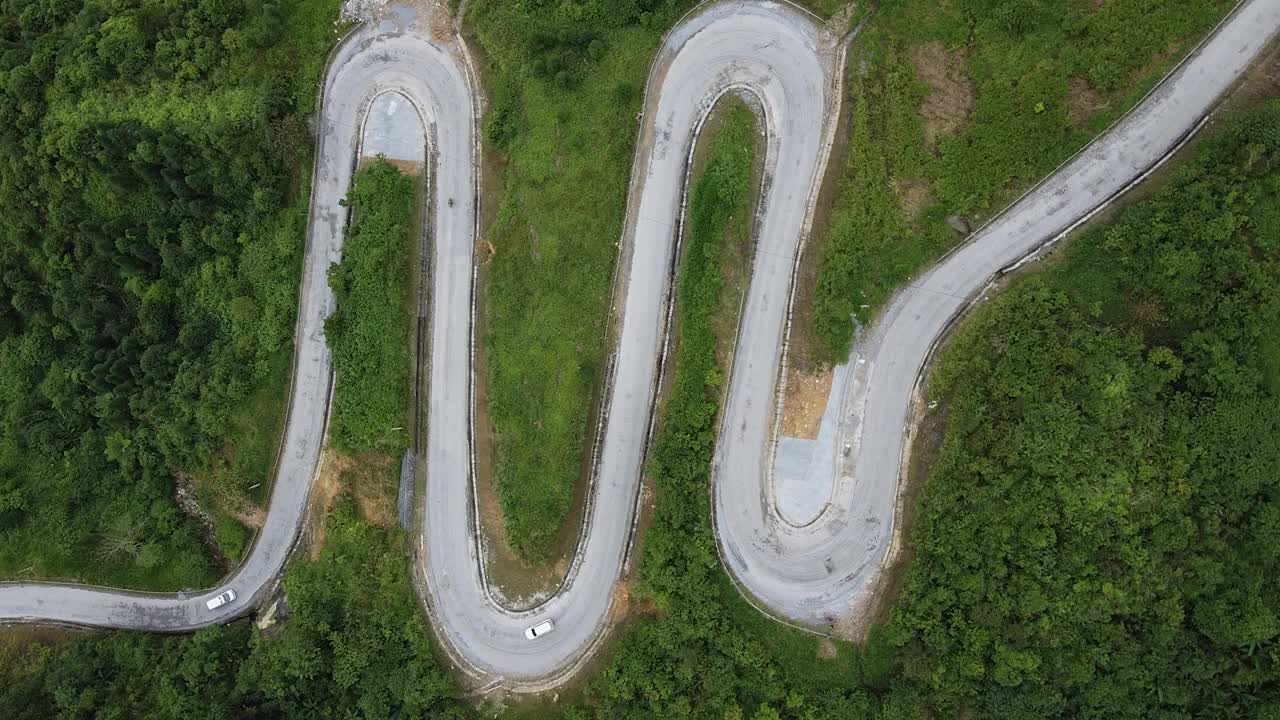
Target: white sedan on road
column 540, row 629
column 217, row 602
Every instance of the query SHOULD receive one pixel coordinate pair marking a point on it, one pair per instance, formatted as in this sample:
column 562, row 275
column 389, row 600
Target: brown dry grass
column 412, row 168
column 1083, row 102
column 367, row 477
column 327, row 485
column 915, row 195
column 804, row 401
column 225, row 497
column 827, row 649
column 24, row 647
column 947, row 107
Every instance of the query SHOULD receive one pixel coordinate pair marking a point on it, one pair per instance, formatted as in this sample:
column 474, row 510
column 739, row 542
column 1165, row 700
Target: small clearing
column 950, row 100
column 827, row 649
column 367, row 477
column 914, row 196
column 327, row 486
column 1083, row 102
column 805, row 401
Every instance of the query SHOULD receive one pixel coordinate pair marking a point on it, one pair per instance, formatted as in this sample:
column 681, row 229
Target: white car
column 540, row 629
column 221, row 600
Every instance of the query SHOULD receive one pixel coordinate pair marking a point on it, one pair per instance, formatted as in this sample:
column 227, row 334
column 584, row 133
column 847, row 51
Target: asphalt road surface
column 788, row 67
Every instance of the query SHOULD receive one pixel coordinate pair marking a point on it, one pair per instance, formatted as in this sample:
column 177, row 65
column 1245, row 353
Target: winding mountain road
column 790, row 68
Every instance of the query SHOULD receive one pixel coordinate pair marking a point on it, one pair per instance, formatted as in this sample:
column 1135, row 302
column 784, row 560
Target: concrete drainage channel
column 804, row 575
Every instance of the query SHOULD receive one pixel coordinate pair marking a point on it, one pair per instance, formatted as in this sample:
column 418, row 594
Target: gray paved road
column 780, row 58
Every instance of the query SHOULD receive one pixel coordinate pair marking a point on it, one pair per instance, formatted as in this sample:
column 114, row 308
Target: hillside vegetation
column 958, row 106
column 369, row 329
column 1016, row 88
column 1098, row 538
column 354, row 645
column 153, row 157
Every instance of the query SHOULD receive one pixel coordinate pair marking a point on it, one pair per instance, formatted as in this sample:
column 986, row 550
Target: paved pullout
column 789, row 67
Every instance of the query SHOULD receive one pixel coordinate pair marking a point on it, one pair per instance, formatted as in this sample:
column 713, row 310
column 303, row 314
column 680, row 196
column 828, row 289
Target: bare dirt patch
column 413, row 168
column 327, row 485
column 373, row 482
column 23, row 648
column 950, row 100
column 827, row 649
column 1083, row 102
column 224, row 496
column 804, row 401
column 914, row 195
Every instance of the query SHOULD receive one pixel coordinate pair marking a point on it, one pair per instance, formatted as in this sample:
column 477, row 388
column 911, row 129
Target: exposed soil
column 324, row 491
column 1083, row 102
column 804, row 402
column 827, row 649
column 413, row 168
column 371, row 480
column 950, row 100
column 226, row 498
column 373, row 484
column 915, row 195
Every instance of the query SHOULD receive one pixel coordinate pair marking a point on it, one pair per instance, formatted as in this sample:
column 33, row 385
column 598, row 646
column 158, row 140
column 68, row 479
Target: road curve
column 786, row 65
column 780, row 58
column 825, row 570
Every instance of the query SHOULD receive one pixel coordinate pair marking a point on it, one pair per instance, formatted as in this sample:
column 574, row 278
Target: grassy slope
column 369, row 331
column 1020, row 58
column 567, row 128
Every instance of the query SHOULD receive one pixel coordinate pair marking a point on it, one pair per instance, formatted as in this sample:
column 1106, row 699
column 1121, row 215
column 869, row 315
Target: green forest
column 1098, row 537
column 154, row 158
column 1109, row 461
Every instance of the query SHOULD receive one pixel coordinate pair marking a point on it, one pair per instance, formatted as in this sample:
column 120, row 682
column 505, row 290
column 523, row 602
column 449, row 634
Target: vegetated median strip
column 369, row 329
column 563, row 109
column 370, row 334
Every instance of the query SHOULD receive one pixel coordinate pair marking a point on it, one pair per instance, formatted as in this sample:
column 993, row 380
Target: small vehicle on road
column 540, row 629
column 220, row 600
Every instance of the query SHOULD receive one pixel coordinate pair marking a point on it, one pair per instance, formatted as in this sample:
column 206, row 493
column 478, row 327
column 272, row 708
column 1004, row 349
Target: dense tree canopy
column 148, row 153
